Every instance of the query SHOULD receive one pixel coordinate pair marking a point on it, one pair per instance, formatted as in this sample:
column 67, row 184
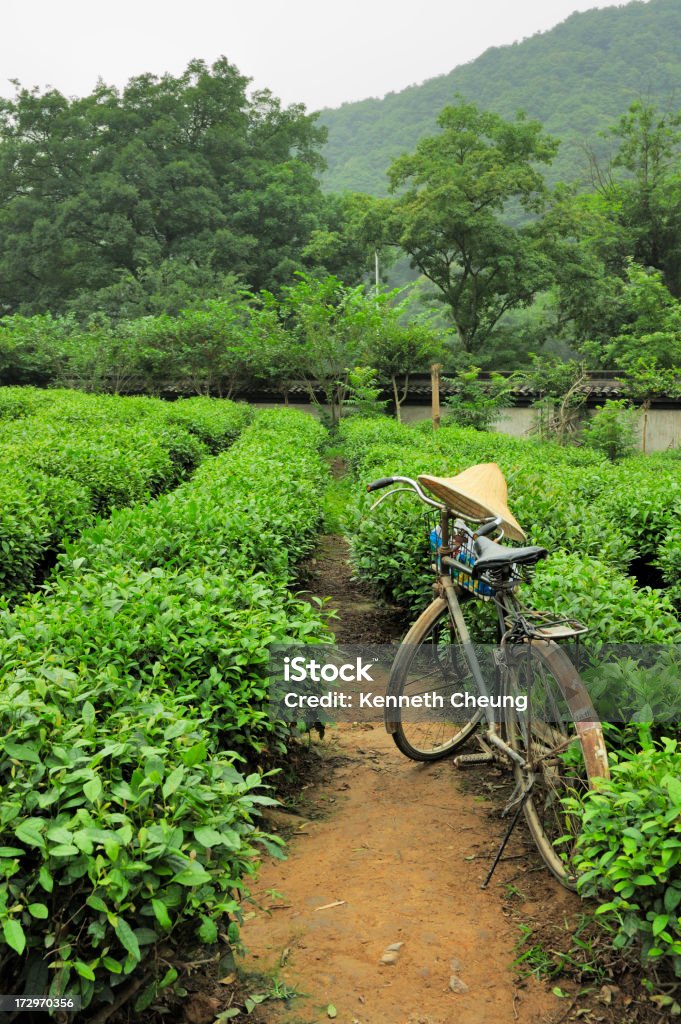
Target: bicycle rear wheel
column 561, row 739
column 430, row 663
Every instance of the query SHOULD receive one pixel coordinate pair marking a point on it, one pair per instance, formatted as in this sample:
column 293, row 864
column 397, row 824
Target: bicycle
column 554, row 745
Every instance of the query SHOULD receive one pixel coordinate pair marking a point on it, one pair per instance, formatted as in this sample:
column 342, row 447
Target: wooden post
column 435, row 389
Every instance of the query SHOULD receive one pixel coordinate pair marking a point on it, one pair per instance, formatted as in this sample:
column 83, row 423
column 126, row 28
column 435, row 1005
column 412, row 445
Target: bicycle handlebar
column 387, row 481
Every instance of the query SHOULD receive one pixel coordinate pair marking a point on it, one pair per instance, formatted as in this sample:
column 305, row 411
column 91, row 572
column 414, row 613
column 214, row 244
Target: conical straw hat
column 479, row 492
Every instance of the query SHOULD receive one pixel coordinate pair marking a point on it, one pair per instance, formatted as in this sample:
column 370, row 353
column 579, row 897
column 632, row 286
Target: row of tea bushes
column 133, row 703
column 593, row 516
column 66, row 457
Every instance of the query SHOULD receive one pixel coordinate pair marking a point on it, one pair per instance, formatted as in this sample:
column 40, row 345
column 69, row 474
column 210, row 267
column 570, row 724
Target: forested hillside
column 576, row 79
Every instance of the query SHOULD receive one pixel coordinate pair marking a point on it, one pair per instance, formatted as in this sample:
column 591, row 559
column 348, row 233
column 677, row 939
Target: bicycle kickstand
column 504, row 841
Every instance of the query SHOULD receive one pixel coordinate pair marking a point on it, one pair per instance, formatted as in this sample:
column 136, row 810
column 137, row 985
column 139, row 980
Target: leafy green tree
column 328, row 325
column 649, row 328
column 169, row 287
column 352, row 237
column 34, row 350
column 451, row 217
column 612, row 429
column 275, row 355
column 587, row 250
column 647, row 191
column 476, row 402
column 159, row 190
column 364, row 393
column 208, row 350
column 631, row 216
column 400, row 346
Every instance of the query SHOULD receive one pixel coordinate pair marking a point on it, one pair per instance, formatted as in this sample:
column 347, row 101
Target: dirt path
column 393, row 852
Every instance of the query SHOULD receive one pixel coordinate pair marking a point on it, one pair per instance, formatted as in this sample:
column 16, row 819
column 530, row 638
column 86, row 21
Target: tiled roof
column 598, row 386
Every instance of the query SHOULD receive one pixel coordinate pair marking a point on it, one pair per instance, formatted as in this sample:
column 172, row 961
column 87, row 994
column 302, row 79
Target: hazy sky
column 309, row 51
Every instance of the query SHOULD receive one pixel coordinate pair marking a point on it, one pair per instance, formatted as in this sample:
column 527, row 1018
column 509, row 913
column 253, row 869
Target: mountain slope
column 577, row 79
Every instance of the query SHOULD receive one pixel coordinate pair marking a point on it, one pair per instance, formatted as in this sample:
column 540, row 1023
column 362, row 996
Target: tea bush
column 642, row 500
column 669, row 561
column 630, row 850
column 614, row 608
column 118, row 829
column 66, row 457
column 134, row 706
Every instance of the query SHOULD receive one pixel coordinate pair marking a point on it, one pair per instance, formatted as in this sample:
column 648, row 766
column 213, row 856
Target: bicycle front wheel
column 561, row 739
column 429, row 667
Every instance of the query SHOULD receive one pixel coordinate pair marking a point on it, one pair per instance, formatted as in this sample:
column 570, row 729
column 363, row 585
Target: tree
column 186, row 173
column 649, row 328
column 477, row 403
column 631, row 217
column 364, row 393
column 352, row 236
column 453, row 218
column 399, row 346
column 612, row 429
column 328, row 325
column 649, row 154
column 642, row 188
column 587, row 250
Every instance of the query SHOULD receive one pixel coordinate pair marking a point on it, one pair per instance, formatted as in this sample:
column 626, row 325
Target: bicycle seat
column 490, row 555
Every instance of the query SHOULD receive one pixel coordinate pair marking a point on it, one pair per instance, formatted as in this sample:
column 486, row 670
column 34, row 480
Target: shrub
column 612, row 429
column 118, row 830
column 614, row 608
column 477, row 403
column 669, row 560
column 630, row 850
column 641, row 499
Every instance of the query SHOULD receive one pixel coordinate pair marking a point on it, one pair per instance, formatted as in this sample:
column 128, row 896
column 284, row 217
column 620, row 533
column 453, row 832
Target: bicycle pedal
column 469, row 760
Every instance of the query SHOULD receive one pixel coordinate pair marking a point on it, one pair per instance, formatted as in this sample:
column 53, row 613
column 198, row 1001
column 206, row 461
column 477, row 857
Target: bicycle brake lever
column 387, row 495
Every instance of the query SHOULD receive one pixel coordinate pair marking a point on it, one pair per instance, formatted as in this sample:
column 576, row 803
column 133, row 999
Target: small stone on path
column 391, row 953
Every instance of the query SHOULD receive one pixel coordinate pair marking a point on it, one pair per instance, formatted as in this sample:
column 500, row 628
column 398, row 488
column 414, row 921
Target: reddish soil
column 399, row 858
